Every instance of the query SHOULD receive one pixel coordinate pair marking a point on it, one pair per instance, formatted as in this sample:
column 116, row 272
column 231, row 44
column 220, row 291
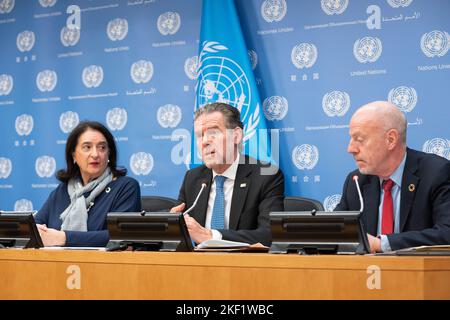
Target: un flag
column 225, row 74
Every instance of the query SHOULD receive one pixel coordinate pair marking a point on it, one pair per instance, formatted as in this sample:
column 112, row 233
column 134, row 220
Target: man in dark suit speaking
column 239, row 192
column 406, row 193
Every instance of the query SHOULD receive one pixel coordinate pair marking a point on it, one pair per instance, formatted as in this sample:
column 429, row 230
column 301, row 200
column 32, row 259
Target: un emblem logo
column 6, row 84
column 169, row 116
column 253, row 58
column 24, row 124
column 221, row 79
column 399, row 3
column 92, row 76
column 47, row 3
column 116, row 118
column 367, row 49
column 117, row 29
column 275, row 108
column 331, row 202
column 69, row 36
column 438, row 146
column 336, row 103
column 273, row 10
column 169, row 23
column 304, row 55
column 46, row 80
column 190, row 67
column 331, row 7
column 45, row 166
column 5, row 167
column 6, row 6
column 23, row 205
column 141, row 163
column 435, row 43
column 25, row 41
column 141, row 71
column 405, row 98
column 305, row 156
column 68, row 120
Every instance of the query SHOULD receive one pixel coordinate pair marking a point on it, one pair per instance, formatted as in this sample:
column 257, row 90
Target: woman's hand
column 51, row 237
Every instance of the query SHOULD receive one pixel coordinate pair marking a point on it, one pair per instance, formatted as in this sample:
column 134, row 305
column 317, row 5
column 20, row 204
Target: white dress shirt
column 228, row 186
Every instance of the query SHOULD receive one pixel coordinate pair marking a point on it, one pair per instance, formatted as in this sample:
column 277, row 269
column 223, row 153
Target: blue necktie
column 218, row 213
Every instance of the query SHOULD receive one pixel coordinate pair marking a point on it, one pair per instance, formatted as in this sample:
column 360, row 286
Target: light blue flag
column 225, row 75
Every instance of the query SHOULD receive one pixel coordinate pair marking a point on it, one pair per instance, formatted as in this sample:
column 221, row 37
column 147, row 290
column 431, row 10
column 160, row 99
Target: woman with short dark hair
column 91, row 186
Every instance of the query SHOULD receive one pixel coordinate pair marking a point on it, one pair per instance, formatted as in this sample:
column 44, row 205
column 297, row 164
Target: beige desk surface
column 73, row 274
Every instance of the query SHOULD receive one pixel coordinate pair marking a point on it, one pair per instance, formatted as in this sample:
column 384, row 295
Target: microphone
column 355, row 178
column 196, row 199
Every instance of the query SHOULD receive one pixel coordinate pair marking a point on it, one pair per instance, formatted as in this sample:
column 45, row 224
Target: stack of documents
column 229, row 246
column 439, row 250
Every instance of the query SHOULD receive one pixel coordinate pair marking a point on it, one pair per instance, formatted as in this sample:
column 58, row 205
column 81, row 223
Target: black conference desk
column 75, row 274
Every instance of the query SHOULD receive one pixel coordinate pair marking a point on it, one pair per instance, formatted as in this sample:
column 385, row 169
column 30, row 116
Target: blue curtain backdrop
column 132, row 65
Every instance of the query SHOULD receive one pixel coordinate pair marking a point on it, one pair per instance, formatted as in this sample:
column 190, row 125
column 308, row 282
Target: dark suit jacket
column 424, row 201
column 254, row 196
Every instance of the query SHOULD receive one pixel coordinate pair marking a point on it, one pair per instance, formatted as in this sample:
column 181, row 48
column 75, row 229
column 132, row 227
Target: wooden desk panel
column 55, row 274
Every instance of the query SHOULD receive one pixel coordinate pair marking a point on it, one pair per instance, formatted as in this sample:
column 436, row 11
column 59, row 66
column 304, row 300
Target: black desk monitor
column 148, row 231
column 307, row 232
column 18, row 229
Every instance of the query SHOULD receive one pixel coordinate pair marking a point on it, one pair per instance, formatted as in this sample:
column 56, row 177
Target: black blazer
column 254, row 196
column 424, row 201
